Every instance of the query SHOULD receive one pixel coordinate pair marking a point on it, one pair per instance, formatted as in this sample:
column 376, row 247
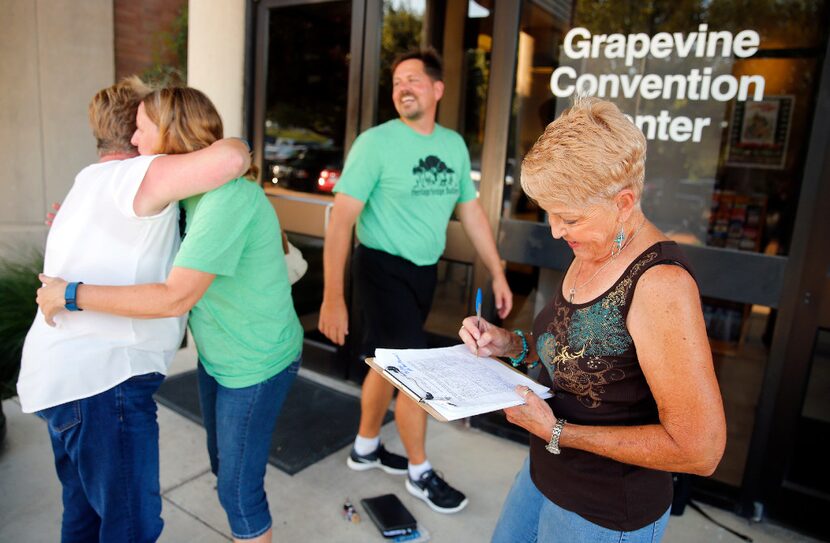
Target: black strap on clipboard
column 395, row 373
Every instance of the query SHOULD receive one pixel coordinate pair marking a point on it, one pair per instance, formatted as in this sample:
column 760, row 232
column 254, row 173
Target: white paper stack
column 455, row 382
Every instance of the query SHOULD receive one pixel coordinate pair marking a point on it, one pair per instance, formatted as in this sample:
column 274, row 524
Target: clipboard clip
column 397, row 374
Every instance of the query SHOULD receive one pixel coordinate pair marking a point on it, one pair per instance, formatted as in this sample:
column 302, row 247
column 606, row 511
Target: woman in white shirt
column 92, row 376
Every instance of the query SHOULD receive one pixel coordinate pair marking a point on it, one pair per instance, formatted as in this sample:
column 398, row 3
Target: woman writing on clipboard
column 623, row 345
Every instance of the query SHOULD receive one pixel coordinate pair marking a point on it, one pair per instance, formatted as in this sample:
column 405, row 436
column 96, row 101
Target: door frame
column 804, row 308
column 262, row 19
column 361, row 94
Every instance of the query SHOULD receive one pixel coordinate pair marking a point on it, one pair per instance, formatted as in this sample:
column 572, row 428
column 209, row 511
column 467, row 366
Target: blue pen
column 478, row 315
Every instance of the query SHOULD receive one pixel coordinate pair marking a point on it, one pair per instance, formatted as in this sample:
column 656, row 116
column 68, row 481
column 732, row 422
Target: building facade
column 55, row 55
column 733, row 98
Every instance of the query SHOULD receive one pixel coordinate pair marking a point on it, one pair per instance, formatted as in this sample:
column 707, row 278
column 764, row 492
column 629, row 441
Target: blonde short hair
column 586, row 156
column 112, row 115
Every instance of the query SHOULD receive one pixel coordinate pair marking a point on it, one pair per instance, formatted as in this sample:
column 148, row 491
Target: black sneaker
column 434, row 490
column 380, row 458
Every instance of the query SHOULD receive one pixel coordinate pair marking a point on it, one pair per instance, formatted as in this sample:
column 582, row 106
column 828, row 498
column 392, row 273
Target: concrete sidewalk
column 305, row 507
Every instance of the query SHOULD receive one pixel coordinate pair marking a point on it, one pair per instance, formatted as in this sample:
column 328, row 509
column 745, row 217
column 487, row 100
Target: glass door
column 730, row 193
column 788, row 474
column 305, row 106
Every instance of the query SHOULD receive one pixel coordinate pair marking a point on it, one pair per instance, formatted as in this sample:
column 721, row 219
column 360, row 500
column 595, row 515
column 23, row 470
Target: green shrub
column 18, row 286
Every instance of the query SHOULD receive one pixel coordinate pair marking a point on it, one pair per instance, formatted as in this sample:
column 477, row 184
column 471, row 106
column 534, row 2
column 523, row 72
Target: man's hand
column 334, row 320
column 50, row 217
column 334, row 317
column 503, row 296
column 51, row 297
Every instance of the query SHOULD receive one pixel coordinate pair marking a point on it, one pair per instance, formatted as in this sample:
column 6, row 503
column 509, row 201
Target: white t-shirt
column 98, row 239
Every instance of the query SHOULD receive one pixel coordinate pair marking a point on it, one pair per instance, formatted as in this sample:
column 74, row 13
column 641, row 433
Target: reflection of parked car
column 282, row 149
column 314, row 169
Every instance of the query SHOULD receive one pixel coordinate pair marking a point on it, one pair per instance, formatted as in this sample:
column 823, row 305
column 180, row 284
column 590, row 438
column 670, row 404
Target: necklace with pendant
column 576, row 287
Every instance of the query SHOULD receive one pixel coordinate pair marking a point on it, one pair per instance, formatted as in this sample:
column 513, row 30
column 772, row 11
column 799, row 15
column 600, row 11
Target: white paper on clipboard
column 455, row 382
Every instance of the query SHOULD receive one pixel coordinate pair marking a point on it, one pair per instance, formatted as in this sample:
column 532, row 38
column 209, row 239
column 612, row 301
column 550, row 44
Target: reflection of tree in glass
column 792, row 21
column 795, row 23
column 401, row 32
column 169, row 54
column 478, row 75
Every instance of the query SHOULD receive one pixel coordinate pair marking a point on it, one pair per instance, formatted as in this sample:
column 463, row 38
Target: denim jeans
column 107, row 458
column 528, row 516
column 239, row 423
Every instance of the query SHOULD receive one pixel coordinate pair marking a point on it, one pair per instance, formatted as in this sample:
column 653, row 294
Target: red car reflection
column 327, row 179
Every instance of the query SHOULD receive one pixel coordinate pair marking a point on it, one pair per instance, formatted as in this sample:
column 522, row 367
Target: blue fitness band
column 525, row 349
column 70, row 295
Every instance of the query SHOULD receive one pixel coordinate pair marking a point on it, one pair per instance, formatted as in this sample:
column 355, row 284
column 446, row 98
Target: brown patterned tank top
column 593, row 371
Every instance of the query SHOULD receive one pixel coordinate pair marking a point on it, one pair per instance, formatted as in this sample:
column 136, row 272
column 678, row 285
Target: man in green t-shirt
column 401, row 183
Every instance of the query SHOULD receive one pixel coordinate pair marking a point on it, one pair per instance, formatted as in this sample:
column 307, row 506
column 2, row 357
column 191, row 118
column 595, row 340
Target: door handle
column 327, row 216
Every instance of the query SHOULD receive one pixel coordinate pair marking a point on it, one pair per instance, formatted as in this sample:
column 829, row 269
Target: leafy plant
column 169, row 54
column 18, row 284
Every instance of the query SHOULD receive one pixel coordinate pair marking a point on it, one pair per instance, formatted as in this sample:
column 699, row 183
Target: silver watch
column 553, row 446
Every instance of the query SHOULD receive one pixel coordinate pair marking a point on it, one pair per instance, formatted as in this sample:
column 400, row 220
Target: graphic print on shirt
column 434, row 178
column 582, row 347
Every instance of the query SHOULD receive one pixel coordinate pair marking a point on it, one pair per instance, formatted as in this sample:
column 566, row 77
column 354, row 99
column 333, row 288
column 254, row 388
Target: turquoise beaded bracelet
column 525, row 349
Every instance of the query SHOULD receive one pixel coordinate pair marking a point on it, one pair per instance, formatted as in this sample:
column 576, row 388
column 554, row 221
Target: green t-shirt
column 245, row 326
column 409, row 184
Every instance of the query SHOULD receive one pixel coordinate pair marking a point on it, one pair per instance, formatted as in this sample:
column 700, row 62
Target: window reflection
column 740, row 356
column 306, row 95
column 808, row 468
column 403, row 23
column 305, row 125
column 727, row 132
column 476, row 48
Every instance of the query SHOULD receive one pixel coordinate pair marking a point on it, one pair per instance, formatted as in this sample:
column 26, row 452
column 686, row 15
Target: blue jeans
column 107, row 458
column 528, row 516
column 239, row 423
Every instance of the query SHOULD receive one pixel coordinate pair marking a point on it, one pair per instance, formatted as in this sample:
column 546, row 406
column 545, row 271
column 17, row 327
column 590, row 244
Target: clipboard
column 405, row 390
column 442, row 408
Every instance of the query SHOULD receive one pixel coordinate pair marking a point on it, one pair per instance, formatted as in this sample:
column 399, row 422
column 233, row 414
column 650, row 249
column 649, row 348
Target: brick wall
column 138, row 29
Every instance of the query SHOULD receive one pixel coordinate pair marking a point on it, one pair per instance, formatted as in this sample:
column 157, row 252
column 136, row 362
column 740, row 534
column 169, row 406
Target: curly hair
column 587, row 155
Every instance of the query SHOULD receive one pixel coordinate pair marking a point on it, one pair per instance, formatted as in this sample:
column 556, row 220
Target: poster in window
column 759, row 133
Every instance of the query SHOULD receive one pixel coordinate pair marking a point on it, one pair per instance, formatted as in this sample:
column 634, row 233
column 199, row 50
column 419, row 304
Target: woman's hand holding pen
column 489, row 339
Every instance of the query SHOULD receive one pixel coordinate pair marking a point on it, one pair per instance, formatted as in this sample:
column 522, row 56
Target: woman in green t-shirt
column 230, row 273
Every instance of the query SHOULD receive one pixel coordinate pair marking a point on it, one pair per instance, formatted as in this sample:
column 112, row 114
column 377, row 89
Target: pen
column 478, row 315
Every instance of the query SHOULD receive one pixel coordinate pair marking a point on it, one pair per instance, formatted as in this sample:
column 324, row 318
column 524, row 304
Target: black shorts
column 393, row 297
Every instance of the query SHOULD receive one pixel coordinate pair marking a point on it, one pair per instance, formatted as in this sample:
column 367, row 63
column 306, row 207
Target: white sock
column 416, row 470
column 366, row 445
